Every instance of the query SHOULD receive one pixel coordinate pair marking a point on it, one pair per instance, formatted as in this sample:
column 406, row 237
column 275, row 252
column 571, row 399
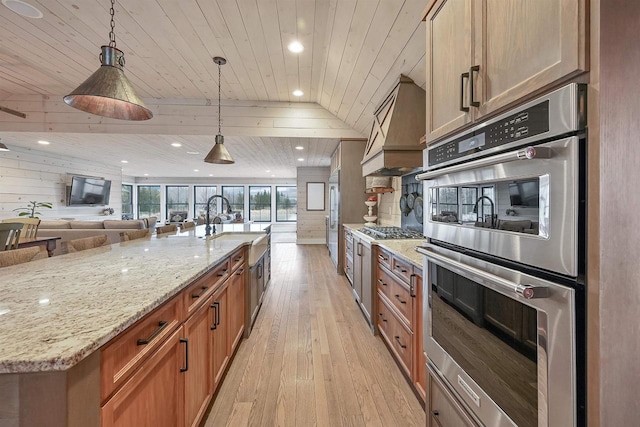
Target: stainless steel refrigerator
column 334, row 215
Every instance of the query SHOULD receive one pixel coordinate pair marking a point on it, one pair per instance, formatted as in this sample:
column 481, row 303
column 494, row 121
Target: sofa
column 70, row 230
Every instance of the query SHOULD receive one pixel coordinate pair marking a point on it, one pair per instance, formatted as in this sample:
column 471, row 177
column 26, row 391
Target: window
column 487, row 209
column 448, row 200
column 200, row 196
column 235, row 195
column 127, row 201
column 260, row 204
column 286, row 203
column 177, row 203
column 148, row 201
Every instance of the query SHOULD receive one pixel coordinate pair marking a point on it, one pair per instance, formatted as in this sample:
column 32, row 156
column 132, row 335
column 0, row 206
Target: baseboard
column 320, row 241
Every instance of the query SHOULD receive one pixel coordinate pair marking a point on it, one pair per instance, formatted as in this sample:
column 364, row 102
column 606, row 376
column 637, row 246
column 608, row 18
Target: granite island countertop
column 54, row 312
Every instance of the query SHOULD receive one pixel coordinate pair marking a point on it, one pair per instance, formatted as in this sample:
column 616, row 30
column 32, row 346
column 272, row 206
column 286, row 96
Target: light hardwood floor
column 311, row 359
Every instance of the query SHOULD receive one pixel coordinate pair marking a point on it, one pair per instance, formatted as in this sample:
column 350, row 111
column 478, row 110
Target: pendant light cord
column 219, row 119
column 112, row 34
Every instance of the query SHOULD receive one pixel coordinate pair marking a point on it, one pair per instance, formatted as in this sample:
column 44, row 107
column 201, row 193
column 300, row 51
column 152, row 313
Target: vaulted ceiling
column 354, row 52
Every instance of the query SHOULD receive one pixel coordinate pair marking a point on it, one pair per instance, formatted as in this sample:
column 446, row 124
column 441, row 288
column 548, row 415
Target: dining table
column 49, row 243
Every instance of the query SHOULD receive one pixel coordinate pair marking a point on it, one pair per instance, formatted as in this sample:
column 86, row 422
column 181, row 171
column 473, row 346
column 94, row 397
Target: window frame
column 233, row 205
column 204, row 205
column 159, row 204
column 130, row 204
column 278, row 187
column 267, row 187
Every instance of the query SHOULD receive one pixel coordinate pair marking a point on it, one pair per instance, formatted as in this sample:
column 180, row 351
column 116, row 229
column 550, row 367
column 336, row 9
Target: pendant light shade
column 107, row 92
column 219, row 153
column 3, row 147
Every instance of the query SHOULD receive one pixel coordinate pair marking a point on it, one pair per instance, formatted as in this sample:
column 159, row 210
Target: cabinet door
column 236, row 308
column 525, row 45
column 198, row 380
column 357, row 268
column 449, row 56
column 503, row 313
column 154, row 395
column 420, row 359
column 219, row 337
column 366, row 300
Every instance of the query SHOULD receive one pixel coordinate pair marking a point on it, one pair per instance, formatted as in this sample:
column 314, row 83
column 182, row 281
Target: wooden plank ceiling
column 354, row 51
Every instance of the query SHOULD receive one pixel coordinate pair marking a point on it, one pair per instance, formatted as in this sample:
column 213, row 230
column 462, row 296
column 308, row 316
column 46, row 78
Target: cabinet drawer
column 384, row 257
column 399, row 338
column 199, row 291
column 122, row 355
column 402, row 300
column 348, row 244
column 237, row 259
column 444, row 410
column 384, row 281
column 402, row 268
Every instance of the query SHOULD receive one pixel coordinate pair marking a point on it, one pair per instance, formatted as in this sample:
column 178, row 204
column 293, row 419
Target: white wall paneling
column 311, row 225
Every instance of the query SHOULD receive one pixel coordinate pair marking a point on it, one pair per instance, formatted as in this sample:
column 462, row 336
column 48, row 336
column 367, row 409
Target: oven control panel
column 523, row 124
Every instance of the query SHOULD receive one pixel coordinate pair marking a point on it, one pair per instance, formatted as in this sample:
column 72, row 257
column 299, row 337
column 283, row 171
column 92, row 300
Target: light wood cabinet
column 348, row 255
column 154, row 395
column 219, row 335
column 444, row 410
column 164, row 370
column 399, row 314
column 198, row 378
column 485, row 55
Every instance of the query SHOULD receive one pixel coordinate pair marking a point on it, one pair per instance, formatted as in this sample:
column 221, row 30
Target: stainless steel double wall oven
column 505, row 262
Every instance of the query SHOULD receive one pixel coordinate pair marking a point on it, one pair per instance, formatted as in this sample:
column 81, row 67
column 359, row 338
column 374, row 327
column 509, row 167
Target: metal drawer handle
column 462, row 77
column 401, row 269
column 383, row 258
column 381, row 282
column 240, row 272
column 204, row 289
column 215, row 306
column 412, row 285
column 475, row 68
column 224, row 271
column 382, row 317
column 435, row 417
column 161, row 325
column 186, row 354
column 399, row 343
column 398, row 298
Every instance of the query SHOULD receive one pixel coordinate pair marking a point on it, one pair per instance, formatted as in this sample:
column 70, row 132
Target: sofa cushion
column 86, row 225
column 126, row 224
column 54, row 224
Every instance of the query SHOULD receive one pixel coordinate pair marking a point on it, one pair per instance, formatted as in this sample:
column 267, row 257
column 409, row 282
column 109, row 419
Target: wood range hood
column 394, row 148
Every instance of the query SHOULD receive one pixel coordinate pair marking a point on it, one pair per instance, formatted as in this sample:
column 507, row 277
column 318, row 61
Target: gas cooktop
column 380, row 232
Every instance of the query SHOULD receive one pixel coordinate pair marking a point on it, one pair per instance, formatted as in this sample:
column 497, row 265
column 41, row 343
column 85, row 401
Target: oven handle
column 528, row 153
column 526, row 291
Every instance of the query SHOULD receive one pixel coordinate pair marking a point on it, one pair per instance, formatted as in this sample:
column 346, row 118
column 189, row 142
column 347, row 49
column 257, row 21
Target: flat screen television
column 524, row 193
column 88, row 191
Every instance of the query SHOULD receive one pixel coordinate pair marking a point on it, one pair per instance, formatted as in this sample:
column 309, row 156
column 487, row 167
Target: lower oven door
column 503, row 341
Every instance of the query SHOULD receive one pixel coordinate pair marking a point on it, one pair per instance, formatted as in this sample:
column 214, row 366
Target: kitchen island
column 56, row 315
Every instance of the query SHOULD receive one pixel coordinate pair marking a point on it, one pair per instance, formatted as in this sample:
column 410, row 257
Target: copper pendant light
column 219, row 153
column 107, row 92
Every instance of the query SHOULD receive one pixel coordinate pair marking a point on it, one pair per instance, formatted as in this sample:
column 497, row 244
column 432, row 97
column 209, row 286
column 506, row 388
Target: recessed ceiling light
column 146, row 174
column 299, row 147
column 301, row 159
column 42, row 142
column 44, row 301
column 210, row 174
column 124, row 161
column 176, row 144
column 298, row 92
column 22, row 8
column 295, row 47
column 267, row 171
column 273, row 176
column 193, row 152
column 196, row 170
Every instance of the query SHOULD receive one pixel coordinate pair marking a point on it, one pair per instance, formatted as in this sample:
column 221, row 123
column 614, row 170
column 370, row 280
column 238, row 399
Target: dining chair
column 30, row 226
column 188, row 225
column 171, row 228
column 22, row 255
column 126, row 236
column 85, row 243
column 9, row 235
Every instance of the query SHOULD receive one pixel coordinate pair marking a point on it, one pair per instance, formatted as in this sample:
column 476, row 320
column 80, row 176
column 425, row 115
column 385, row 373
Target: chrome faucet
column 207, row 229
column 475, row 207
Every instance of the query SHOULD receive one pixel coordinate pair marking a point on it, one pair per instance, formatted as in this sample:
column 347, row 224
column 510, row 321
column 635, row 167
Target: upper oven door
column 520, row 206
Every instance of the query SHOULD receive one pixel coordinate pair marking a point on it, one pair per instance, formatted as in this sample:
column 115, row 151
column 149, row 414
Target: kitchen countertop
column 54, row 312
column 405, row 248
